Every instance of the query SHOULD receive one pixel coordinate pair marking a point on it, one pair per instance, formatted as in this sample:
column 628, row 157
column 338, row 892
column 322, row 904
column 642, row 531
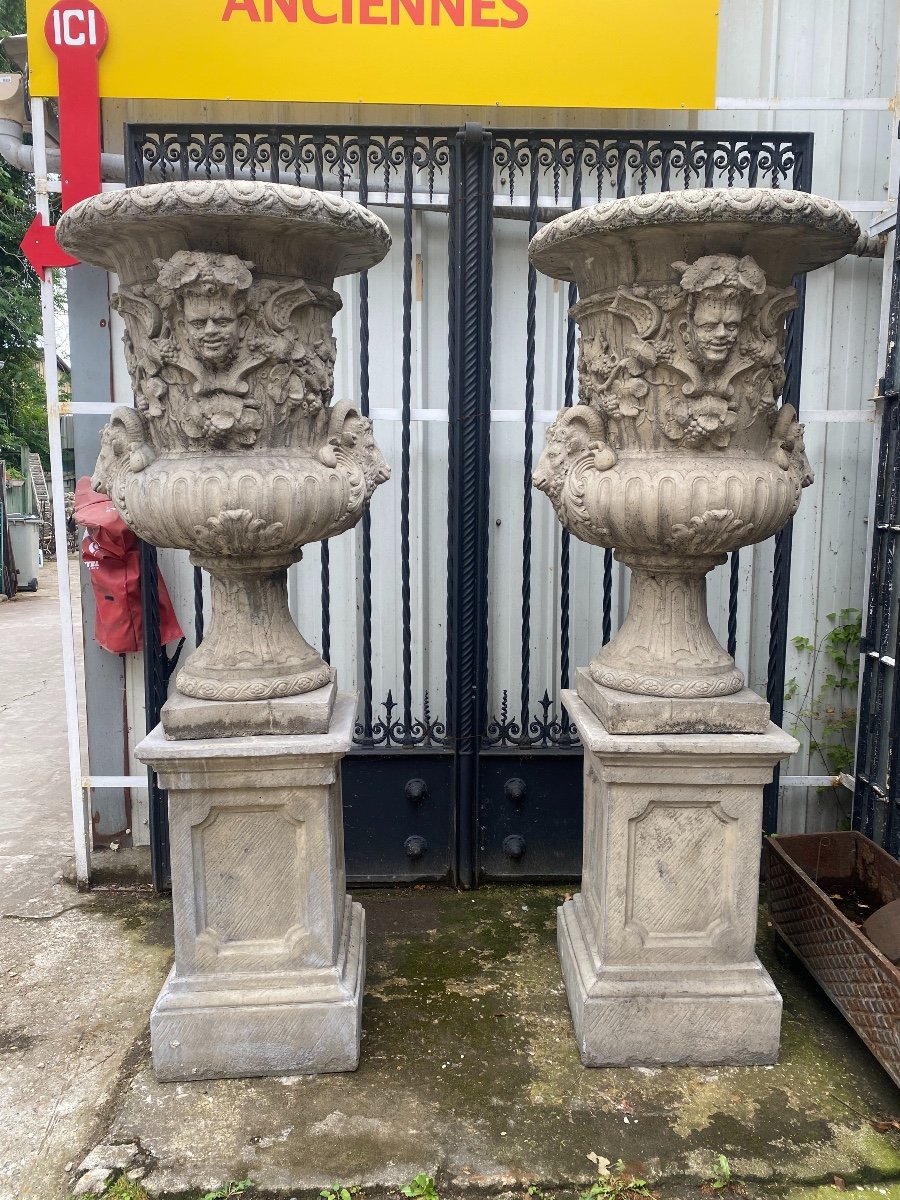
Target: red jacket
column 112, row 555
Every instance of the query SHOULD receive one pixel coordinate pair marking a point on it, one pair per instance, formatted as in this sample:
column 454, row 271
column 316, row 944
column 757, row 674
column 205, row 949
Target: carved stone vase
column 677, row 453
column 234, row 449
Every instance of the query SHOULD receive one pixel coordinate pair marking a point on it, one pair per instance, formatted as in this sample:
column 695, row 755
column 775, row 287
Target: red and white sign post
column 77, row 35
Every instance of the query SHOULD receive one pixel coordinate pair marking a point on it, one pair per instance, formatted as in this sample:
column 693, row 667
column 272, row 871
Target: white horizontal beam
column 842, row 780
column 542, row 416
column 838, row 416
column 140, row 781
column 546, row 416
column 114, row 781
column 884, row 659
column 807, row 103
column 89, row 408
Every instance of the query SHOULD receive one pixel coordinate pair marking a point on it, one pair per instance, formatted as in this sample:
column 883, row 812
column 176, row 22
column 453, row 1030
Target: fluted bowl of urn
column 234, row 449
column 679, row 450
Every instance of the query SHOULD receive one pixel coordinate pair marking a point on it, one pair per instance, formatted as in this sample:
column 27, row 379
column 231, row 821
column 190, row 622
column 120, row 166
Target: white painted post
column 79, row 793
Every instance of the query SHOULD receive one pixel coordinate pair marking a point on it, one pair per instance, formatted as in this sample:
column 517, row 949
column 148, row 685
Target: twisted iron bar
column 405, row 405
column 366, row 532
column 198, row 605
column 530, row 354
column 733, row 582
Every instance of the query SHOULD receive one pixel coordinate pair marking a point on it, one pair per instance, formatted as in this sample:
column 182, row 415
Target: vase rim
column 85, row 228
column 814, row 229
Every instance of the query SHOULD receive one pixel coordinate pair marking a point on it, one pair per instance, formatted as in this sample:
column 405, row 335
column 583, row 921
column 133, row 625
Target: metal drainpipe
column 17, row 154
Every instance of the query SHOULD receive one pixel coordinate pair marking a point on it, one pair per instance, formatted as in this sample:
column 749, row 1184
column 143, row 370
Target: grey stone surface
column 229, row 1030
column 269, row 949
column 74, row 988
column 463, row 990
column 626, row 712
column 470, row 1073
column 93, row 1182
column 234, row 449
column 214, row 759
column 678, row 451
column 186, row 718
column 656, row 1016
column 117, row 1157
column 658, row 948
column 130, row 866
column 882, row 929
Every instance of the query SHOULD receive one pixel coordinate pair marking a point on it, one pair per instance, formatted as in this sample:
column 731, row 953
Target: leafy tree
column 23, row 419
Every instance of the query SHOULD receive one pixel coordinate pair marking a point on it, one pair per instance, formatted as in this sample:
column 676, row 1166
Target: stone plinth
column 269, row 949
column 658, row 948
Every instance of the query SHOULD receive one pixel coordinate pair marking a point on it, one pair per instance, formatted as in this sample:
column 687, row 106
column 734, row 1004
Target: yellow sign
column 536, row 53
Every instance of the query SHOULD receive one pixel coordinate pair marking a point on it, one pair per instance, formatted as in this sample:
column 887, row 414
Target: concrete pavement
column 469, row 1069
column 74, row 985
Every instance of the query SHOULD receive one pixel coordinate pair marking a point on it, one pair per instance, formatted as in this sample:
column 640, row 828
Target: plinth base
column 185, row 718
column 269, row 949
column 658, row 949
column 625, row 1017
column 253, row 1028
column 627, row 712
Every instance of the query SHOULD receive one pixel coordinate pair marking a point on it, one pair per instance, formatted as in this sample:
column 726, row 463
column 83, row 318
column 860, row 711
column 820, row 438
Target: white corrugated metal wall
column 770, row 54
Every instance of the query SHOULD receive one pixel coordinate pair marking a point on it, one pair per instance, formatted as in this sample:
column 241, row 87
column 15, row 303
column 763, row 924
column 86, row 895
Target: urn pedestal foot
column 626, row 712
column 185, row 718
column 666, row 646
column 252, row 649
column 658, row 949
column 269, row 949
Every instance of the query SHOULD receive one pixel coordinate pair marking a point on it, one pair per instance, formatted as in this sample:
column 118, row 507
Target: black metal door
column 491, row 789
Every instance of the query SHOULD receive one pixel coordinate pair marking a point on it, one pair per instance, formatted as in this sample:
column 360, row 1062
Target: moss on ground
column 469, row 1069
column 472, row 1000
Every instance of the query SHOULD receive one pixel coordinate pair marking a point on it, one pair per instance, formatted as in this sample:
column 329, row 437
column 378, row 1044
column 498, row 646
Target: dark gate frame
column 876, row 797
column 465, row 781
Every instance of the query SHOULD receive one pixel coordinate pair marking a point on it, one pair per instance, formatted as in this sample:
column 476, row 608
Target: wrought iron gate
column 491, row 788
column 876, row 800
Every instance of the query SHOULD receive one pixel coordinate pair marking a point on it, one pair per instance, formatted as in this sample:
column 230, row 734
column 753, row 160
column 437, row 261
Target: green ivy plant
column 723, row 1180
column 828, row 715
column 421, row 1188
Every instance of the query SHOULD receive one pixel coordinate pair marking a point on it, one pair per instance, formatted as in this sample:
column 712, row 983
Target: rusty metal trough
column 802, row 870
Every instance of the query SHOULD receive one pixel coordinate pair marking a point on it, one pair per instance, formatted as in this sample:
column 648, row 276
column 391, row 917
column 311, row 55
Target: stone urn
column 234, row 450
column 678, row 451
